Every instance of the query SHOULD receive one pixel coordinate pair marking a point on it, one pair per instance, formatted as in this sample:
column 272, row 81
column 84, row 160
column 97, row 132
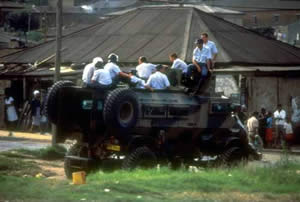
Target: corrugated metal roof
column 256, row 4
column 157, row 32
column 8, row 4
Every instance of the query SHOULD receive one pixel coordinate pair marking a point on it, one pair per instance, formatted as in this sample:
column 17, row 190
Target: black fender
column 233, row 141
column 139, row 141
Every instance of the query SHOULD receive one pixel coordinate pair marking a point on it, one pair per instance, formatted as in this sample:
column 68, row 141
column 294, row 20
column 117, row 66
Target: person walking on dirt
column 11, row 114
column 262, row 119
column 279, row 116
column 36, row 111
column 269, row 129
column 252, row 126
column 288, row 133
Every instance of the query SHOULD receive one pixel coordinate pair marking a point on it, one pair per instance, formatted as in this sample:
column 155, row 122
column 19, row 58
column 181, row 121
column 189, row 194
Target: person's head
column 204, row 37
column 255, row 114
column 160, row 68
column 269, row 114
column 142, row 59
column 173, row 57
column 7, row 92
column 113, row 58
column 36, row 94
column 199, row 43
column 279, row 107
column 263, row 110
column 98, row 62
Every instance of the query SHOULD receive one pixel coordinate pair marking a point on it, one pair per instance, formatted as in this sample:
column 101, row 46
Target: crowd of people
column 273, row 129
column 150, row 76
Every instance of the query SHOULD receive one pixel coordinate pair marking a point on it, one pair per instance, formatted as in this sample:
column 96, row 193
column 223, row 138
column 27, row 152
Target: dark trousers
column 192, row 69
column 99, row 86
column 198, row 77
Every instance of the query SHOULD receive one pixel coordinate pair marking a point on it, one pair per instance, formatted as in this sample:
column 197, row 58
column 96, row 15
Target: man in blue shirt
column 198, row 71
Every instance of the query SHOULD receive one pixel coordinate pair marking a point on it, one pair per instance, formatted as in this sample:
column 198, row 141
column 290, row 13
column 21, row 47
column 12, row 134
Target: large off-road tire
column 121, row 108
column 141, row 157
column 78, row 151
column 51, row 101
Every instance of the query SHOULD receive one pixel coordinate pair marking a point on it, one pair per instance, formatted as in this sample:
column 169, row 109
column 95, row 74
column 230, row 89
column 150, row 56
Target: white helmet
column 97, row 59
column 113, row 57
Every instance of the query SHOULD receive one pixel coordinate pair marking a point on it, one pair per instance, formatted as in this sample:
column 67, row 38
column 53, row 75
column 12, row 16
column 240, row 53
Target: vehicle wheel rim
column 126, row 113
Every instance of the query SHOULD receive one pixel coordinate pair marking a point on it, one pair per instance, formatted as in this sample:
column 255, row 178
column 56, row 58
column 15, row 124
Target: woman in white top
column 11, row 114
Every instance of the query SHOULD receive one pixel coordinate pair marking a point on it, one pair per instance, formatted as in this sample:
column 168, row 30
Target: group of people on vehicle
column 150, row 76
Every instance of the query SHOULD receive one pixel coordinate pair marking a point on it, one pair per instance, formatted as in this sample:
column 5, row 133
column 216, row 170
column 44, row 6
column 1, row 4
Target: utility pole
column 57, row 56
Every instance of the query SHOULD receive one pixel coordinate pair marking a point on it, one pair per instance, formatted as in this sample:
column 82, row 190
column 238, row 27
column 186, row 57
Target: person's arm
column 197, row 65
column 10, row 104
column 94, row 77
column 149, row 88
column 209, row 60
column 167, row 83
column 92, row 73
column 148, row 84
column 256, row 126
column 209, row 64
column 283, row 115
column 123, row 74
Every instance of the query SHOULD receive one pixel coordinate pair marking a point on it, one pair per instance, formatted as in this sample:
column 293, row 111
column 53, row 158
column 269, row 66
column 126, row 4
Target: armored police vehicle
column 142, row 128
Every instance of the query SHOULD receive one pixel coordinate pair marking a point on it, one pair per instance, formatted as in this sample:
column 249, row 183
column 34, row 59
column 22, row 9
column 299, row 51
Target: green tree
column 21, row 21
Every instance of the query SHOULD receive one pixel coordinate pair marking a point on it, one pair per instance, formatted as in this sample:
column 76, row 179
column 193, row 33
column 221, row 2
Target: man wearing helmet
column 89, row 70
column 114, row 69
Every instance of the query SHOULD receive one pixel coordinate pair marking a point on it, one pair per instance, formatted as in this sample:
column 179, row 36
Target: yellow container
column 78, row 177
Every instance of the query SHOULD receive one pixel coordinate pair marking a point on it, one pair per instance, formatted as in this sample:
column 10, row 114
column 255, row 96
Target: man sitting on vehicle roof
column 198, row 71
column 178, row 68
column 101, row 79
column 158, row 80
column 89, row 70
column 144, row 69
column 115, row 73
column 212, row 47
column 136, row 82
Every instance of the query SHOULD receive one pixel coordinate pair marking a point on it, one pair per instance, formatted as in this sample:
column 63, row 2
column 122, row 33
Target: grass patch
column 17, row 167
column 279, row 182
column 48, row 153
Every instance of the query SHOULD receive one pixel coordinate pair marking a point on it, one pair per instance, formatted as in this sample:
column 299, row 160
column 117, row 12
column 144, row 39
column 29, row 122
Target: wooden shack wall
column 268, row 92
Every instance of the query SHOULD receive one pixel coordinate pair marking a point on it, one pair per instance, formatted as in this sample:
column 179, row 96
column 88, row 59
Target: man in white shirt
column 137, row 82
column 178, row 63
column 211, row 46
column 279, row 116
column 201, row 64
column 158, row 80
column 114, row 70
column 252, row 126
column 101, row 79
column 89, row 70
column 144, row 69
column 178, row 69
